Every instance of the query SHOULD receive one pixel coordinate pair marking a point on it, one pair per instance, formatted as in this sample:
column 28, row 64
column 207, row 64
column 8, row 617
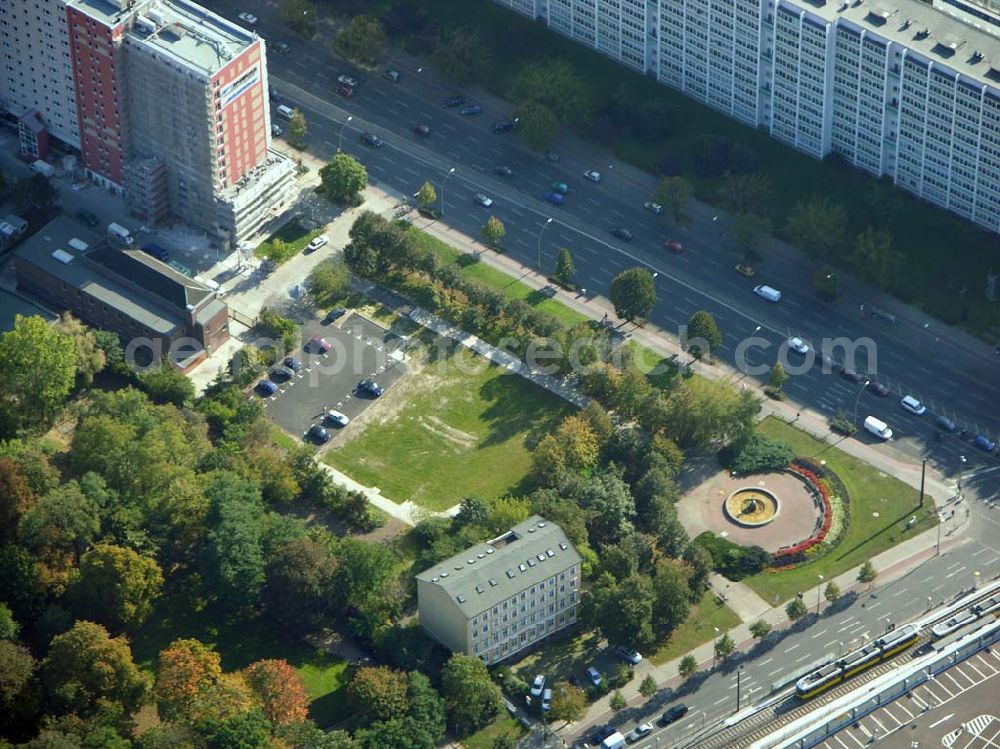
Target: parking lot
column 359, row 349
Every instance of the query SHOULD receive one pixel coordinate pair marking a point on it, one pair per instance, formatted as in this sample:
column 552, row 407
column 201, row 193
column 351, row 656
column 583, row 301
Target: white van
column 285, row 111
column 878, row 427
column 614, row 741
column 766, row 292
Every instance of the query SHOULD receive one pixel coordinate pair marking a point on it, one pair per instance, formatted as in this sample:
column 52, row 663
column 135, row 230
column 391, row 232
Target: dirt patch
column 451, row 434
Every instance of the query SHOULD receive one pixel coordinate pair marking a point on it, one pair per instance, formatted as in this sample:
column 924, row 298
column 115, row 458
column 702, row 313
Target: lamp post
column 819, row 589
column 340, row 141
column 539, row 247
column 961, row 468
column 858, row 400
column 715, row 646
column 739, row 673
column 443, row 185
column 836, row 283
column 975, row 577
column 937, row 550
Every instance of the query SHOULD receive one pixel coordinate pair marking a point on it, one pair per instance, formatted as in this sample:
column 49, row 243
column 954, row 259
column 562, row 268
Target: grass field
column 294, row 235
column 463, row 428
column 699, row 628
column 867, row 535
column 485, row 737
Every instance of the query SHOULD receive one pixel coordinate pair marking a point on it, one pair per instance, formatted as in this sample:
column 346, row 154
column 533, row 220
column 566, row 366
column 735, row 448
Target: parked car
column 828, row 363
column 292, row 363
column 317, row 242
column 281, row 372
column 88, row 217
column 674, row 246
column 471, row 109
column 266, row 388
column 911, row 404
column 276, row 129
column 621, row 233
column 984, row 443
column 454, row 101
column 391, row 75
column 347, row 81
column 504, row 126
column 335, row 314
column 943, row 422
column 318, row 434
column 745, row 269
column 248, row 18
column 554, row 197
column 346, row 91
column 601, row 733
column 317, row 345
column 422, row 129
column 592, row 175
column 370, row 139
column 546, row 700
column 640, row 731
column 482, row 200
column 504, row 171
column 879, row 388
column 798, row 346
column 673, row 715
column 656, row 208
column 595, row 676
column 560, row 187
column 282, row 48
column 632, row 656
column 371, row 387
column 336, row 417
column 537, row 685
column 851, row 376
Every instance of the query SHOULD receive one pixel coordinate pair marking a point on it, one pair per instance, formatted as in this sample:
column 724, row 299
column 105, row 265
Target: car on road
column 560, row 187
column 592, row 175
column 503, row 126
column 347, row 81
column 318, row 434
column 336, row 417
column 537, row 685
column 317, row 345
column 943, row 422
column 621, row 233
column 274, row 95
column 554, row 197
column 317, row 242
column 674, row 246
column 546, row 700
column 673, row 715
column 370, row 387
column 454, row 101
column 391, row 75
column 984, row 443
column 851, row 376
column 745, row 269
column 292, row 363
column 248, row 18
column 471, row 109
column 504, row 171
column 631, row 656
column 879, row 388
column 346, row 91
column 87, row 217
column 422, row 129
column 601, row 733
column 595, row 676
column 276, row 129
column 266, row 388
column 798, row 346
column 335, row 314
column 652, row 207
column 482, row 200
column 370, row 139
column 281, row 47
column 639, row 732
column 911, row 404
column 828, row 363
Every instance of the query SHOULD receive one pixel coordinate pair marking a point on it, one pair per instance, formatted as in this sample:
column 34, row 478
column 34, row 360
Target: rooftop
column 495, row 570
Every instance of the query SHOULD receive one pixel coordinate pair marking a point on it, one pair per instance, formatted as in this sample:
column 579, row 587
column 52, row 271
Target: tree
column 826, row 283
column 297, row 129
column 777, row 378
column 747, row 194
column 366, row 583
column 867, row 574
column 622, row 611
column 301, row 16
column 556, row 85
column 245, row 730
column 674, row 194
column 280, row 690
column 633, row 293
column 796, row 609
column 472, row 699
column 343, row 178
column 9, row 627
column 703, row 334
column 362, row 40
column 463, row 54
column 58, row 529
column 760, row 629
column 299, row 580
column 426, row 706
column 39, row 368
column 687, row 667
column 700, row 411
column 672, row 596
column 617, row 702
column 647, row 688
column 507, row 740
column 35, row 198
column 538, row 125
column 818, row 225
column 748, row 231
column 378, row 693
column 426, row 195
column 565, row 269
column 85, row 666
column 831, row 592
column 724, row 647
column 90, row 357
column 164, row 384
column 184, row 669
column 328, row 282
column 493, row 231
column 874, row 259
column 16, row 498
column 569, row 702
column 16, row 669
column 117, row 586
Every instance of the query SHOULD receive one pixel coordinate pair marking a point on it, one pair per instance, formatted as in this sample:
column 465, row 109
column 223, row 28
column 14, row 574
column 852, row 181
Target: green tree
column 751, row 193
column 366, row 582
column 687, row 667
column 867, row 574
column 378, row 693
column 748, row 231
column 297, row 129
column 85, row 667
column 557, row 85
column 344, row 178
column 35, row 198
column 617, row 702
column 506, row 740
column 299, row 580
column 426, row 195
column 648, row 686
column 633, row 293
column 301, row 16
column 463, row 54
column 674, row 194
column 724, row 647
column 831, row 592
column 622, row 611
column 569, row 702
column 796, row 609
column 702, row 334
column 826, row 282
column 246, row 730
column 16, row 498
column 17, row 666
column 9, row 627
column 760, row 629
column 817, row 225
column 39, row 368
column 90, row 357
column 58, row 529
column 164, row 384
column 472, row 699
column 874, row 259
column 362, row 40
column 427, row 708
column 538, row 125
column 672, row 596
column 777, row 378
column 493, row 231
column 700, row 411
column 565, row 269
column 328, row 282
column 117, row 586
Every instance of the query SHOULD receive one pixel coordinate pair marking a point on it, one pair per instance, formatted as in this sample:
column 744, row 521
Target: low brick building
column 154, row 308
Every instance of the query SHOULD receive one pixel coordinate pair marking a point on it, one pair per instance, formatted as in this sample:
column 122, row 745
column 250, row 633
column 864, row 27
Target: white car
column 317, row 242
column 912, row 405
column 336, row 417
column 538, row 685
column 276, row 130
column 643, row 729
column 653, row 207
column 347, row 81
column 594, row 675
column 798, row 346
column 482, row 200
column 248, row 18
column 592, row 175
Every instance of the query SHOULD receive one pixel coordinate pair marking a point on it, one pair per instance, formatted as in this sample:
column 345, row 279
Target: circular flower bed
column 834, row 513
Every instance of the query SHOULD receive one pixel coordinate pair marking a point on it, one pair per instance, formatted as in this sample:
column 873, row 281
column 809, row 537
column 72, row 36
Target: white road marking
column 936, row 723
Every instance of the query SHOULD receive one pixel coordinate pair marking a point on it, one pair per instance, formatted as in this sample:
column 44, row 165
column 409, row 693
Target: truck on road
column 120, row 233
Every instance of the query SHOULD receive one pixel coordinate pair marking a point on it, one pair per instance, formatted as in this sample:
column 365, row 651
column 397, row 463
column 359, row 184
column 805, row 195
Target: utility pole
column 923, row 475
column 739, row 673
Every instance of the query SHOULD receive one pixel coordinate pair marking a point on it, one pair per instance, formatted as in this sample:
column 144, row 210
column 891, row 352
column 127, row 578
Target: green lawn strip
column 242, row 641
column 295, row 234
column 484, row 738
column 563, row 655
column 871, row 492
column 697, row 629
column 461, row 432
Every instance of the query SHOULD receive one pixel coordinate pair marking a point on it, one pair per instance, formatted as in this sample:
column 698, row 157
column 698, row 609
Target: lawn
column 464, row 427
column 867, row 535
column 485, row 737
column 240, row 642
column 699, row 628
column 295, row 237
column 565, row 655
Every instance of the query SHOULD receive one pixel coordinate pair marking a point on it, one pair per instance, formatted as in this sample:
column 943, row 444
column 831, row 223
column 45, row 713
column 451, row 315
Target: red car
column 674, row 246
column 346, row 91
column 317, row 345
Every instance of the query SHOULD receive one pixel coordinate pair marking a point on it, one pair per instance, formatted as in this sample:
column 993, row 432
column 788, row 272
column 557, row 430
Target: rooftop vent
column 531, row 530
column 460, row 598
column 923, row 33
column 480, row 588
column 490, row 551
column 493, row 582
column 906, row 23
column 522, row 567
column 563, row 546
column 550, row 553
column 444, row 574
column 480, row 555
column 458, row 567
column 977, row 56
column 541, row 557
column 434, row 579
column 532, row 562
column 62, row 256
column 510, row 574
column 542, row 525
column 78, row 244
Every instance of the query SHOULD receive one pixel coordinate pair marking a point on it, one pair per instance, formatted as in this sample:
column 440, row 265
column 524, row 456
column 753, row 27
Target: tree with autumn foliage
column 16, row 497
column 378, row 693
column 280, row 690
column 184, row 669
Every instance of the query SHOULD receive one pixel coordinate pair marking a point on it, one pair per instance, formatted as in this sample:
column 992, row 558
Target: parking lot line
column 982, row 676
column 877, row 722
column 986, row 664
column 893, row 715
column 957, row 685
column 903, row 707
column 920, row 701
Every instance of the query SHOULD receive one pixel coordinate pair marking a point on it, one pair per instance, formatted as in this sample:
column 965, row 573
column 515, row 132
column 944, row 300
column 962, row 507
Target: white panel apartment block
column 623, row 30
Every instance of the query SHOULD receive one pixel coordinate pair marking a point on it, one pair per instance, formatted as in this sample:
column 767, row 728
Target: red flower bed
column 796, row 553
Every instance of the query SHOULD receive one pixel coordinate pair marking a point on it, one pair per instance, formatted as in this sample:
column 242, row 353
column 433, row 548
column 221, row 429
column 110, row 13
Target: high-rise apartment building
column 165, row 101
column 902, row 88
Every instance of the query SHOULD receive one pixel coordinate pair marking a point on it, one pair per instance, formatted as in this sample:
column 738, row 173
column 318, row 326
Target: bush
column 843, row 423
column 732, row 560
column 761, row 454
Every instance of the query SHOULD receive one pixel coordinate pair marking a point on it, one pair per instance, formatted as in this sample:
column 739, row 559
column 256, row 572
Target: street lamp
column 961, row 468
column 858, row 400
column 819, row 589
column 443, row 185
column 340, row 141
column 975, row 576
column 540, row 232
column 937, row 550
column 715, row 646
column 739, row 673
column 836, row 283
